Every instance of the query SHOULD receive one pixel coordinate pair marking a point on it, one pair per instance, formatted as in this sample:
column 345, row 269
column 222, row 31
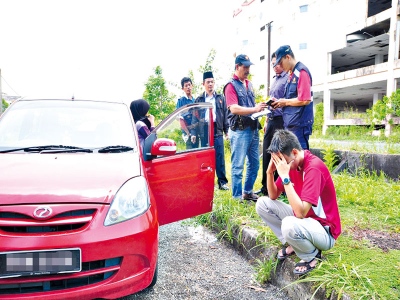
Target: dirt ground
column 381, row 239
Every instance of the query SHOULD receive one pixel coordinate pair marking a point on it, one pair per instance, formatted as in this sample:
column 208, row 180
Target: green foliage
column 338, row 275
column 384, row 107
column 208, row 66
column 368, row 201
column 265, row 268
column 318, row 118
column 198, row 85
column 330, row 157
column 5, row 105
column 356, row 267
column 156, row 93
column 347, row 132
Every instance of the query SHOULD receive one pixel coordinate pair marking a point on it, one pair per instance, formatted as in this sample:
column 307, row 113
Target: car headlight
column 130, row 201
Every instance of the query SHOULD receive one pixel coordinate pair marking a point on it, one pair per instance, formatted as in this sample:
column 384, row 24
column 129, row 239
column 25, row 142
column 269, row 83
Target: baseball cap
column 282, row 52
column 244, row 60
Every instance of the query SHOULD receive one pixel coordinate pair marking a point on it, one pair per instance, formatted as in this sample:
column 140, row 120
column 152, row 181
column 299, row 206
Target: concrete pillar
column 376, row 97
column 378, row 59
column 328, row 103
column 392, row 55
column 328, row 111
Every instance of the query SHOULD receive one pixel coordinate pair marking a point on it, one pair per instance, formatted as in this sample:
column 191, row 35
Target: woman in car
column 143, row 120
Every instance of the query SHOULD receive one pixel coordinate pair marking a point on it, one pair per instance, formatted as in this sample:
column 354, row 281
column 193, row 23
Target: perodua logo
column 42, row 212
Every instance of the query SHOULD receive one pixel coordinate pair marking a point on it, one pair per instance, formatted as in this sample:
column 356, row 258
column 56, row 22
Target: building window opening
column 303, row 8
column 302, row 46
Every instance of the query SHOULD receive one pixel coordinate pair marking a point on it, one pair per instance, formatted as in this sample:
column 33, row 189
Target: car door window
column 183, row 181
column 190, row 128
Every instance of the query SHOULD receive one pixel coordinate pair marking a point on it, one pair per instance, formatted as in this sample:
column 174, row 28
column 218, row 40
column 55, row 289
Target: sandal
column 284, row 254
column 307, row 265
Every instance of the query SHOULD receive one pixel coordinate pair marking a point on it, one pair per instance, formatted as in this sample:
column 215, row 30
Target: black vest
column 246, row 98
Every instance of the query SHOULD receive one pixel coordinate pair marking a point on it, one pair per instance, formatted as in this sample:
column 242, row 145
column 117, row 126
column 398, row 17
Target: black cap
column 282, row 52
column 244, row 60
column 207, row 74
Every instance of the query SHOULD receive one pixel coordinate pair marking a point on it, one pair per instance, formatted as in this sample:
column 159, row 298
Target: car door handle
column 206, row 168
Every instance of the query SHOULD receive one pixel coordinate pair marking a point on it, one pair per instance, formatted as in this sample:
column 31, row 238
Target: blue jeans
column 244, row 143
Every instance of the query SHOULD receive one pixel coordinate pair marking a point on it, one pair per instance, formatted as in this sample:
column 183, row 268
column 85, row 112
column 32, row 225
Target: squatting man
column 310, row 223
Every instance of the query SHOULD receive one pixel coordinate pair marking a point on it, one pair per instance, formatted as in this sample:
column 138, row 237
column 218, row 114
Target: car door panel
column 182, row 184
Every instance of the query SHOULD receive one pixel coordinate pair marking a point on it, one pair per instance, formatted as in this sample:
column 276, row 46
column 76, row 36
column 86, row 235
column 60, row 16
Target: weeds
column 265, row 268
column 354, row 267
column 338, row 278
column 330, row 157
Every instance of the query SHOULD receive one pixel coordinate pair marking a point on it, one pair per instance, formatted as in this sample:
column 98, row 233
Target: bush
column 318, row 118
column 384, row 107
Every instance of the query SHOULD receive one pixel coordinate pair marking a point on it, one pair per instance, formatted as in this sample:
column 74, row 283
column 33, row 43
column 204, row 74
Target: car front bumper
column 117, row 260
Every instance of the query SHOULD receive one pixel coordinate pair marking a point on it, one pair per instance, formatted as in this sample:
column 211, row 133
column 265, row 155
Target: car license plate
column 31, row 263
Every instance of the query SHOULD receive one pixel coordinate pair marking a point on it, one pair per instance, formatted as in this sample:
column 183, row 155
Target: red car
column 81, row 202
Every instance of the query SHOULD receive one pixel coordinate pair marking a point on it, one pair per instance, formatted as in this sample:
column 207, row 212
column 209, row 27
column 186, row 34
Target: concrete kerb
column 245, row 242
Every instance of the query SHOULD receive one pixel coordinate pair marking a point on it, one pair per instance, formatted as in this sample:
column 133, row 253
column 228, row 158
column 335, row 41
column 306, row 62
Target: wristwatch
column 286, row 180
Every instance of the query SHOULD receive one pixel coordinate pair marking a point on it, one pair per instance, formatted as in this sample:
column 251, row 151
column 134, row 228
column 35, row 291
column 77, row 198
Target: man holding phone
column 274, row 120
column 297, row 107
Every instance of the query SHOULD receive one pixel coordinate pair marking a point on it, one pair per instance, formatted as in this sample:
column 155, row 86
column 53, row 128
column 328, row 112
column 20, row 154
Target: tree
column 156, row 93
column 384, row 108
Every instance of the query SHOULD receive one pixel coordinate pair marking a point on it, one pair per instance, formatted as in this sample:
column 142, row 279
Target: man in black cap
column 297, row 107
column 243, row 130
column 200, row 121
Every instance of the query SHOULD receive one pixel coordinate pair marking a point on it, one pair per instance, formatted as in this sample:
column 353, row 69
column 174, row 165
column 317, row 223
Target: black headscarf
column 139, row 109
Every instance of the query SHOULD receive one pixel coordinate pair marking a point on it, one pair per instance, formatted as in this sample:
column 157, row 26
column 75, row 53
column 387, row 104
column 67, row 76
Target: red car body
column 56, row 202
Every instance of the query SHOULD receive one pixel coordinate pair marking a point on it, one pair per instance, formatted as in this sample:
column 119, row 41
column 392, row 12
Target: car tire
column 154, row 281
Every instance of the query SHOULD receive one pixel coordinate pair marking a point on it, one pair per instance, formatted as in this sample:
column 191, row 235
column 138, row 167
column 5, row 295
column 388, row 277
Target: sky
column 107, row 49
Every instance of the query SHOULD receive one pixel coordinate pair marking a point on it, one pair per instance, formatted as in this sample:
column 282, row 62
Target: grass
column 353, row 266
column 358, row 138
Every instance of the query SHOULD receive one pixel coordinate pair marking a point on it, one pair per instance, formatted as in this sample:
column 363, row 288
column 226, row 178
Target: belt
column 276, row 117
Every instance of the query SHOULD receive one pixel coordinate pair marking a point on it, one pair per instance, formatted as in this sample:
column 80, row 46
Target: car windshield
column 84, row 124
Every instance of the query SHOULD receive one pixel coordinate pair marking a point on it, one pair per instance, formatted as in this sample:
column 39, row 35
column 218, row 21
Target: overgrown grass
column 358, row 138
column 352, row 266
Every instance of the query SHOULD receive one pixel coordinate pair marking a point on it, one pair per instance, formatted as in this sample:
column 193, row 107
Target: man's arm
column 303, row 93
column 183, row 125
column 244, row 111
column 224, row 116
column 273, row 191
column 300, row 208
column 235, row 108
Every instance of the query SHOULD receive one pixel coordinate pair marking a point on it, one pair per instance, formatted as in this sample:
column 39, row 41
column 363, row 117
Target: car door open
column 182, row 181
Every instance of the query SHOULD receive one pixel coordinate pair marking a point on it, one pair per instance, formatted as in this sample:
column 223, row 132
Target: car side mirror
column 163, row 146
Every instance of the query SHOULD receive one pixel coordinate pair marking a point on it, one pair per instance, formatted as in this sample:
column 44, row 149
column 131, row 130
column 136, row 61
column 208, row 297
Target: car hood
column 65, row 178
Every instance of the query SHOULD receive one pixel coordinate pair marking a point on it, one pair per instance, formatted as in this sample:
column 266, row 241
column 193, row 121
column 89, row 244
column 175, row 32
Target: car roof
column 59, row 99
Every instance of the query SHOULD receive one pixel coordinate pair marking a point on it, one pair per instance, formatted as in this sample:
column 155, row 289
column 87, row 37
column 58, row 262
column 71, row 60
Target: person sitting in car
column 143, row 120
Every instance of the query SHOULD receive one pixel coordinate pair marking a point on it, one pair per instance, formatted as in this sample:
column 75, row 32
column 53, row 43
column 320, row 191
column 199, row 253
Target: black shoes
column 262, row 192
column 224, row 187
column 251, row 197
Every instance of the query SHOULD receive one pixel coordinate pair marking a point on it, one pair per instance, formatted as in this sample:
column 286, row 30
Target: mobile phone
column 270, row 101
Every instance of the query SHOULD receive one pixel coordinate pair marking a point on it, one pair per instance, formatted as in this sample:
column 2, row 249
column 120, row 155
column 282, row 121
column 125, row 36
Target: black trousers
column 219, row 154
column 273, row 125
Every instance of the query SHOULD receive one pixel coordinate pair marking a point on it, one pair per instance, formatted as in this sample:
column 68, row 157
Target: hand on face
column 151, row 119
column 271, row 167
column 281, row 165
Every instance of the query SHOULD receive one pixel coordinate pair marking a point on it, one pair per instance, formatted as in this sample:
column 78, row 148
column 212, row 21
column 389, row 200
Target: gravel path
column 193, row 264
